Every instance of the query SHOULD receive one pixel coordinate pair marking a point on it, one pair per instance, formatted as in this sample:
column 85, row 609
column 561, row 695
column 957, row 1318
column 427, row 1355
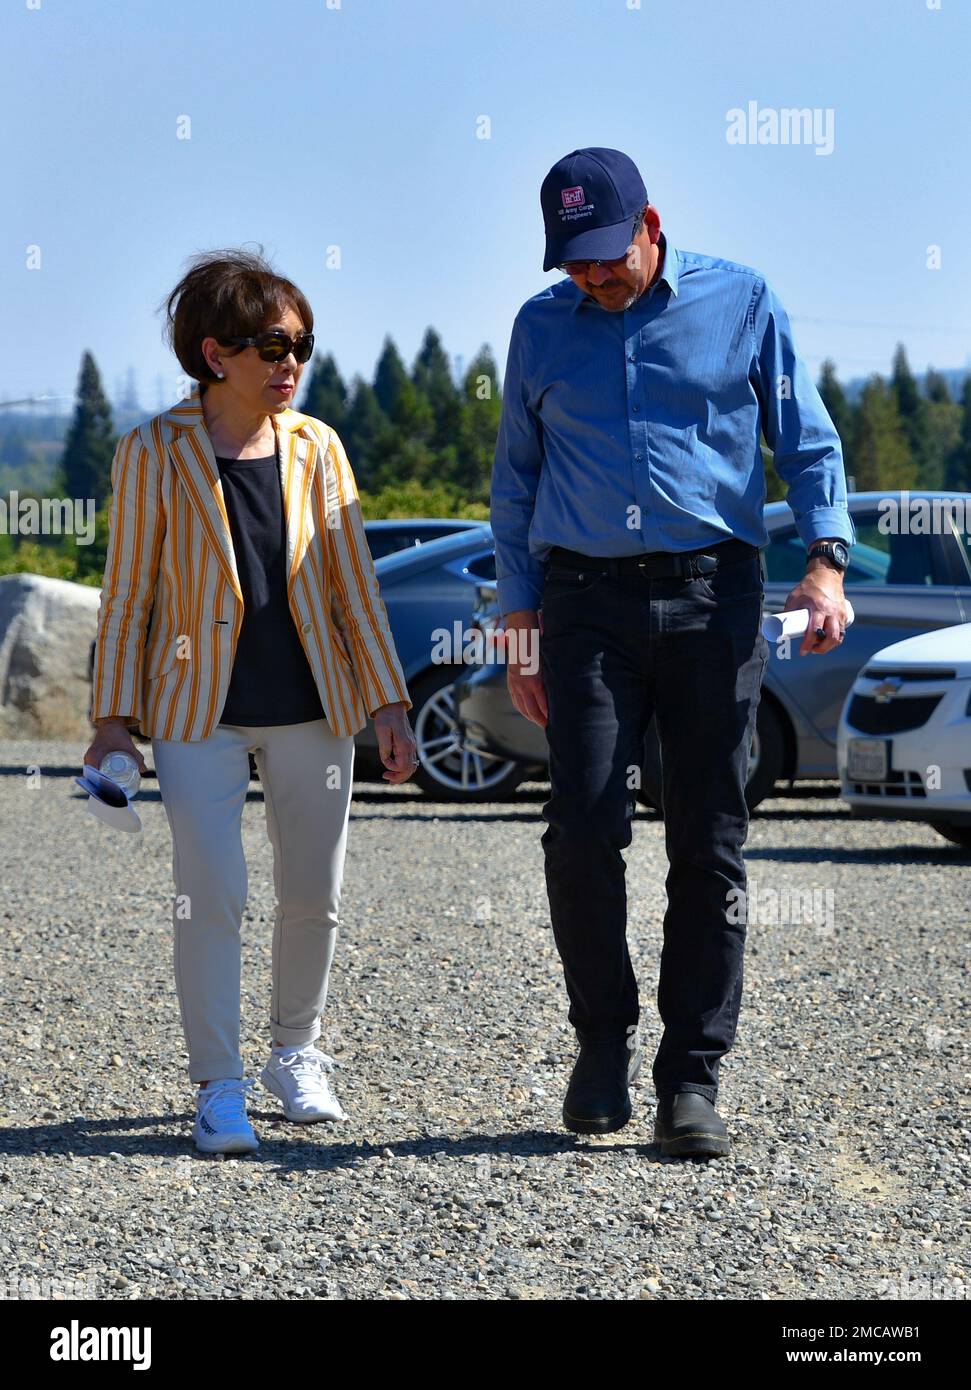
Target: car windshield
column 964, row 538
column 381, row 543
column 877, row 557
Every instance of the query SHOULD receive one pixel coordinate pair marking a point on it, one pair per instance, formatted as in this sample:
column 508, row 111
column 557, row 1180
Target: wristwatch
column 834, row 553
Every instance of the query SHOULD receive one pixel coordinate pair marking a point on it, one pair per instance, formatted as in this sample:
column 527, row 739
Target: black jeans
column 615, row 649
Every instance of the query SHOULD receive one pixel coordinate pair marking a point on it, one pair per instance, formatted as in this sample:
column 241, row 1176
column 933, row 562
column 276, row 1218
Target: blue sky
column 356, row 127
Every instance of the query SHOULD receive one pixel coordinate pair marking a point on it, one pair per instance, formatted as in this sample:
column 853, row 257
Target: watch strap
column 825, row 550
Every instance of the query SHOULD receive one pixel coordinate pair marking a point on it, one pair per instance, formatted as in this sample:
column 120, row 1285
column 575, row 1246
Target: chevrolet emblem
column 886, row 690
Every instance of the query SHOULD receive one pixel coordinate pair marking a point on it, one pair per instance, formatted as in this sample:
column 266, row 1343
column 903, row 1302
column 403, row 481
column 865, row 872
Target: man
column 627, row 501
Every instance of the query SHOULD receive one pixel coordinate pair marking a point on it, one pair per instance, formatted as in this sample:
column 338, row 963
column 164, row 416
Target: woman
column 240, row 613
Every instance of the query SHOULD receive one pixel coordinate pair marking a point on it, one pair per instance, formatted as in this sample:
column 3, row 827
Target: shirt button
column 639, row 457
column 632, row 358
column 637, row 407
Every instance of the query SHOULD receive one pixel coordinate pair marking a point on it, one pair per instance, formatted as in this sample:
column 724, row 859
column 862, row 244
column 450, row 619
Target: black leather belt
column 659, row 564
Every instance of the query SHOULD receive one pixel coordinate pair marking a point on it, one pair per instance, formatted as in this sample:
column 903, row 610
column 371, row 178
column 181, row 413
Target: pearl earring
column 219, row 375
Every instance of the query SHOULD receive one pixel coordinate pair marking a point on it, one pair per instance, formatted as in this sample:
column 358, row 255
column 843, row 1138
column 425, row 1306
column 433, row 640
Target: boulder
column 46, row 630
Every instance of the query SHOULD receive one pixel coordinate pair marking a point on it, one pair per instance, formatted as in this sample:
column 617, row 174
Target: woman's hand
column 112, row 736
column 396, row 741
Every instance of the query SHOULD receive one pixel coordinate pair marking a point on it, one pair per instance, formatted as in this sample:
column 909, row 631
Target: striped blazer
column 171, row 604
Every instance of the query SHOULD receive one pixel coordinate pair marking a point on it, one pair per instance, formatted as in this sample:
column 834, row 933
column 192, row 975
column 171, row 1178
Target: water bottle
column 123, row 769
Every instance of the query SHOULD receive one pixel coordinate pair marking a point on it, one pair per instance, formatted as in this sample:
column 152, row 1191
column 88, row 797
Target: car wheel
column 766, row 761
column 454, row 765
column 957, row 834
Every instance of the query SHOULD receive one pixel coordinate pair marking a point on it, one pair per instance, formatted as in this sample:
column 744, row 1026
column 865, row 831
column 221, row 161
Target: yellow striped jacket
column 171, row 604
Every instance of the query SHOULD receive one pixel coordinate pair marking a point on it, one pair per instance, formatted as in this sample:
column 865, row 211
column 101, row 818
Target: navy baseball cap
column 589, row 200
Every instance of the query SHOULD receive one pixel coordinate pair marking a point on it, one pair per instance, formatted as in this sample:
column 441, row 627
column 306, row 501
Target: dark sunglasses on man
column 274, row 346
column 580, row 267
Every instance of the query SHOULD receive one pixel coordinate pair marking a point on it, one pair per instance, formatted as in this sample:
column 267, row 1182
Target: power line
column 34, row 400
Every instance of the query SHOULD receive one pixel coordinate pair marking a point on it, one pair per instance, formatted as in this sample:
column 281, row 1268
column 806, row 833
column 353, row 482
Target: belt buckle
column 709, row 567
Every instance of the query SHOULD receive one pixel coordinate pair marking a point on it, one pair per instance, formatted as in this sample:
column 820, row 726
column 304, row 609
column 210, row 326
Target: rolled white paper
column 108, row 801
column 776, row 626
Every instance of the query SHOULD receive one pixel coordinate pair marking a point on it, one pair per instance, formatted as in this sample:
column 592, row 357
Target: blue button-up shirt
column 637, row 431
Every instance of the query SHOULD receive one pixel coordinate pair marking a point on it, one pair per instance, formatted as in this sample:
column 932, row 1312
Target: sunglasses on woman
column 273, row 346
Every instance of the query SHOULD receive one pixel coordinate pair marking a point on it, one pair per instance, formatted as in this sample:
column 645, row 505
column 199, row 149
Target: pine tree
column 326, row 394
column 943, row 427
column 957, row 471
column 364, row 427
column 390, row 378
column 881, row 455
column 912, row 409
column 936, row 388
column 85, row 467
column 839, row 408
column 404, row 449
column 481, row 409
column 432, row 377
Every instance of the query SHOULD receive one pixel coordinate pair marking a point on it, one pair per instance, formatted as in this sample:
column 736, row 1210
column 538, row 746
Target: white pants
column 306, row 775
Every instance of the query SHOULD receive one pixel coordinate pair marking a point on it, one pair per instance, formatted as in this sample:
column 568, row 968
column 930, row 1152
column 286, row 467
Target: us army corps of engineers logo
column 575, row 206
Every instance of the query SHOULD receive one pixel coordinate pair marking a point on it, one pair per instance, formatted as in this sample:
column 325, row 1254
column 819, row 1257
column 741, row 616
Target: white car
column 904, row 741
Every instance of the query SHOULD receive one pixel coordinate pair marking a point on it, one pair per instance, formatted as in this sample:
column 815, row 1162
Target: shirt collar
column 669, row 274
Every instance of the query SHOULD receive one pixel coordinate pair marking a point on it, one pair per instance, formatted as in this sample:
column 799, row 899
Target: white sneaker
column 221, row 1125
column 300, row 1080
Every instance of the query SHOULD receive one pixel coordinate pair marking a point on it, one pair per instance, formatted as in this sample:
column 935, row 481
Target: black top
column 271, row 680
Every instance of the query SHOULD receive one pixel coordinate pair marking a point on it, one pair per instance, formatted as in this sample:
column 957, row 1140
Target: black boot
column 687, row 1126
column 597, row 1099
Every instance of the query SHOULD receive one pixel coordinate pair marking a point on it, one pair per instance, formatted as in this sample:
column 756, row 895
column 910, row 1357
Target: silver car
column 901, row 582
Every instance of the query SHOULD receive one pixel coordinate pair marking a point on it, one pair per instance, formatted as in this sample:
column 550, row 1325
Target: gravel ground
column 844, row 1095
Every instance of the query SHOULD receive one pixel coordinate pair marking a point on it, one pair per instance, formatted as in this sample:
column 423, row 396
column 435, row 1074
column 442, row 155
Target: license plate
column 867, row 759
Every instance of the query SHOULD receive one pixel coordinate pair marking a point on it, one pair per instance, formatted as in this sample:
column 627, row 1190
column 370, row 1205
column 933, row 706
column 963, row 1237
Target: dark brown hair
column 223, row 295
